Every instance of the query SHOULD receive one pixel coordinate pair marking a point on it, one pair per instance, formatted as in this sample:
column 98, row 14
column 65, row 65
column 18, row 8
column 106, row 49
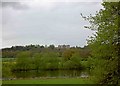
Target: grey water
column 51, row 74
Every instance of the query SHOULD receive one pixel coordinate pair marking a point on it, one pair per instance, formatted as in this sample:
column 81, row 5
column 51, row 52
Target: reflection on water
column 51, row 74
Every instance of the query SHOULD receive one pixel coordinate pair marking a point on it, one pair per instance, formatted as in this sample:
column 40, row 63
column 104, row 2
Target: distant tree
column 50, row 60
column 7, row 70
column 67, row 54
column 85, row 52
column 38, row 63
column 52, row 46
column 76, row 60
column 9, row 54
column 42, row 46
column 23, row 61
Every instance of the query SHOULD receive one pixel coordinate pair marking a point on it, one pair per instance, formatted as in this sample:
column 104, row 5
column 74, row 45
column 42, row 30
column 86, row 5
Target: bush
column 6, row 70
column 24, row 61
column 50, row 60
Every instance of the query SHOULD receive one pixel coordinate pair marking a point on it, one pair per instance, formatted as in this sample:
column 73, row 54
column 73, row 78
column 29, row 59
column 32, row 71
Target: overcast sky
column 46, row 22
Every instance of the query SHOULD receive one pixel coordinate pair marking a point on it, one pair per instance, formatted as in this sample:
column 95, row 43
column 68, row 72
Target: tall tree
column 104, row 44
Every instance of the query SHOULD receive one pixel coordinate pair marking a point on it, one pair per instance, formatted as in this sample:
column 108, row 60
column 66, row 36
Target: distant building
column 45, row 46
column 63, row 46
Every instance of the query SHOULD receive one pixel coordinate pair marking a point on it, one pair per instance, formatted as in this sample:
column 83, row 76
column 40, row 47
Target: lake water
column 51, row 74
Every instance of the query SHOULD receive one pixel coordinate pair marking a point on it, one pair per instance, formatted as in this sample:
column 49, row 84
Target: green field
column 50, row 81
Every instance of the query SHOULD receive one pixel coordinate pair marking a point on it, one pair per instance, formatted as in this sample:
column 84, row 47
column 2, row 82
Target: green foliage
column 37, row 61
column 8, row 54
column 67, row 54
column 76, row 59
column 104, row 43
column 52, row 46
column 68, row 65
column 90, row 63
column 38, row 58
column 73, row 63
column 23, row 61
column 7, row 70
column 8, row 59
column 50, row 60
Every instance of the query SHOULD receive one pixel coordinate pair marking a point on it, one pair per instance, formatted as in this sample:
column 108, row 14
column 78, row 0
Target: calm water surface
column 51, row 74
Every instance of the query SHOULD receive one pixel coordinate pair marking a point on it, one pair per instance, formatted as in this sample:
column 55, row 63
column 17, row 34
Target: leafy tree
column 76, row 60
column 23, row 61
column 8, row 54
column 85, row 52
column 67, row 54
column 51, row 46
column 7, row 70
column 37, row 61
column 50, row 60
column 42, row 46
column 104, row 44
column 68, row 65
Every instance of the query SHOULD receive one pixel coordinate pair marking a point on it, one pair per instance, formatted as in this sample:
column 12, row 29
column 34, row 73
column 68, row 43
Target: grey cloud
column 59, row 25
column 14, row 5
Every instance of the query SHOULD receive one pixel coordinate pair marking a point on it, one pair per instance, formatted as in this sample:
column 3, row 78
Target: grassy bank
column 50, row 81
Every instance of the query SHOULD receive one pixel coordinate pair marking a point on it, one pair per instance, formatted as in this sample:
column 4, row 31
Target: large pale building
column 63, row 46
